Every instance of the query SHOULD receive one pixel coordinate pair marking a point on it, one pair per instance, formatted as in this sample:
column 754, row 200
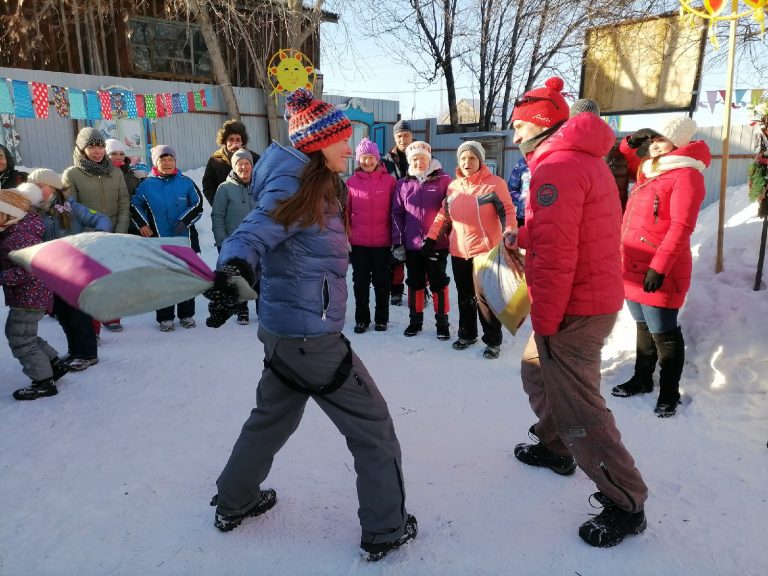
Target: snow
column 114, row 475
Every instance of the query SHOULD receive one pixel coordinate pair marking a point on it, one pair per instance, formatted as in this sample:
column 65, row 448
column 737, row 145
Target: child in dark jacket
column 62, row 217
column 27, row 297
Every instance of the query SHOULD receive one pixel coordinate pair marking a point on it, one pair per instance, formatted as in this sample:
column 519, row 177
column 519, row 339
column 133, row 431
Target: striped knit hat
column 314, row 124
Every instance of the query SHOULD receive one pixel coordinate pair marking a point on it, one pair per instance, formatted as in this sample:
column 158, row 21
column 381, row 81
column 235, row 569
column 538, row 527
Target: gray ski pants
column 34, row 353
column 561, row 375
column 356, row 408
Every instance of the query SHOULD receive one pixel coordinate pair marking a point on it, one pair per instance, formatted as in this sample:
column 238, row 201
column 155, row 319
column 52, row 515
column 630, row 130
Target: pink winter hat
column 367, row 147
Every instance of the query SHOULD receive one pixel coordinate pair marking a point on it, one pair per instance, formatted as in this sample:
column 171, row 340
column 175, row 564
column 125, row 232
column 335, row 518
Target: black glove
column 428, row 248
column 653, row 280
column 223, row 291
column 218, row 314
column 641, row 137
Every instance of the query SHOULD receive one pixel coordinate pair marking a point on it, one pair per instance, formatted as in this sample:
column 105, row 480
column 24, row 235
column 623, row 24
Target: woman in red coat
column 661, row 215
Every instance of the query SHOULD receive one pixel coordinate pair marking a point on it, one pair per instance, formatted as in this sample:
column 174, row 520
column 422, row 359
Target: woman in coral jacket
column 661, row 215
column 370, row 216
column 476, row 211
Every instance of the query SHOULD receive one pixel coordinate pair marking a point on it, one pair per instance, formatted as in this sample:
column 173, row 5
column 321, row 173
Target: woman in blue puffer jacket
column 295, row 240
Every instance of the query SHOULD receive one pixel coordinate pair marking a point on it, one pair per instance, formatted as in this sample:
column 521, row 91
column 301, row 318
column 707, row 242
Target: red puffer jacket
column 572, row 230
column 370, row 207
column 660, row 217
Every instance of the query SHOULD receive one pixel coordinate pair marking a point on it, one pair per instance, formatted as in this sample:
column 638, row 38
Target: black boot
column 671, row 348
column 612, row 525
column 645, row 363
column 440, row 302
column 417, row 321
column 443, row 327
column 381, row 311
column 60, row 366
column 225, row 523
column 38, row 389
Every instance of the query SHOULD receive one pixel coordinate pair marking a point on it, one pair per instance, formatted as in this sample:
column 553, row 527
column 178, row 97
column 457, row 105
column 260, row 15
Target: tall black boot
column 381, row 311
column 671, row 347
column 362, row 302
column 440, row 302
column 645, row 363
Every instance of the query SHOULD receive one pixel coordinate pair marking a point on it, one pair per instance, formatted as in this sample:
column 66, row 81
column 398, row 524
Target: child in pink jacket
column 369, row 209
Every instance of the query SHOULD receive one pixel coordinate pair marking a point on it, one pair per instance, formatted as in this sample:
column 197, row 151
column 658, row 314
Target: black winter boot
column 612, row 524
column 417, row 321
column 645, row 363
column 443, row 327
column 671, row 346
column 538, row 455
column 381, row 311
column 60, row 366
column 225, row 523
column 38, row 389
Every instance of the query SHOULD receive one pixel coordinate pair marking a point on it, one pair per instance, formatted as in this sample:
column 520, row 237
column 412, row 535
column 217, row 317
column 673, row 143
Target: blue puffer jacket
column 81, row 219
column 303, row 270
column 163, row 202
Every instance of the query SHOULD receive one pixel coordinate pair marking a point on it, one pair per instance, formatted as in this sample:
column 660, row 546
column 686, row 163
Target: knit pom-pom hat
column 89, row 137
column 113, row 146
column 678, row 130
column 31, row 192
column 314, row 124
column 13, row 203
column 366, row 147
column 418, row 147
column 543, row 106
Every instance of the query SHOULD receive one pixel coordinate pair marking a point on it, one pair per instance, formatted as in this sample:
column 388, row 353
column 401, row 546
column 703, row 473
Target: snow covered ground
column 114, row 475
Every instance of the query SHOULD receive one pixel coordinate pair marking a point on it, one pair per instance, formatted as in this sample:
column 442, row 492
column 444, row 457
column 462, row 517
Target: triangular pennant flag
column 105, row 102
column 149, row 104
column 60, row 100
column 755, row 96
column 92, row 105
column 22, row 99
column 191, row 101
column 6, row 102
column 141, row 110
column 130, row 104
column 712, row 99
column 184, row 103
column 77, row 105
column 40, row 99
column 168, row 103
column 739, row 96
column 118, row 104
column 160, row 105
column 721, row 93
column 176, row 104
column 198, row 100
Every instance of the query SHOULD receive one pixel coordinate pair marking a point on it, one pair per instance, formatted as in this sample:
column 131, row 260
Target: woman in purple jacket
column 418, row 198
column 370, row 214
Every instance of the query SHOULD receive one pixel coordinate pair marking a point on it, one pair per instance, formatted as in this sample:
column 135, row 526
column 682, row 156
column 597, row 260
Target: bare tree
column 422, row 35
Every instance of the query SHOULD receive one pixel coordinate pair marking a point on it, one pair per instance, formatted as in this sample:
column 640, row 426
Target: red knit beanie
column 542, row 106
column 314, row 124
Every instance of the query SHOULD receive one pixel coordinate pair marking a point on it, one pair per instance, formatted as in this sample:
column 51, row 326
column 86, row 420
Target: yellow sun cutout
column 289, row 70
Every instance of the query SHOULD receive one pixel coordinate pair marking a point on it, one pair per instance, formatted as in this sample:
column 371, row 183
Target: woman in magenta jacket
column 370, row 216
column 660, row 217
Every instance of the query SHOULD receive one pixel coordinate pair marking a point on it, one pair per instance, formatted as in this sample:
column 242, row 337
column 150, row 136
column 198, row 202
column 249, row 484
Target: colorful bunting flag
column 190, row 101
column 92, row 105
column 160, row 105
column 22, row 99
column 203, row 99
column 6, row 102
column 40, row 99
column 739, row 96
column 77, row 104
column 755, row 96
column 712, row 99
column 118, row 104
column 141, row 110
column 198, row 99
column 105, row 102
column 168, row 103
column 149, row 104
column 209, row 98
column 130, row 104
column 61, row 101
column 176, row 104
column 183, row 100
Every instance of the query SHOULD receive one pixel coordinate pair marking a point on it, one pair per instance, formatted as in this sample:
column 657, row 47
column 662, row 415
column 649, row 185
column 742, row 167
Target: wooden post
column 726, row 137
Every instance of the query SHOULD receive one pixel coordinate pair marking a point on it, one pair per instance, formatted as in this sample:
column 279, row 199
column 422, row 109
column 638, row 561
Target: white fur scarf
column 667, row 163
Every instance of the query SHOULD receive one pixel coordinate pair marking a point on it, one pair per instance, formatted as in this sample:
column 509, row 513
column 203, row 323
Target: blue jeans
column 659, row 320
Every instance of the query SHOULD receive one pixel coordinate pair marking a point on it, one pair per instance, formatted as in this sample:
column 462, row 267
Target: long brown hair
column 317, row 189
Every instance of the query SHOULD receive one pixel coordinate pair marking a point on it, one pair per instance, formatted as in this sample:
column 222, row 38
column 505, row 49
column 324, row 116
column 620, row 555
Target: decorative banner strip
column 77, row 104
column 198, row 99
column 168, row 102
column 118, row 104
column 176, row 104
column 712, row 99
column 61, row 101
column 105, row 101
column 92, row 105
column 160, row 105
column 22, row 99
column 40, row 99
column 6, row 102
column 190, row 101
column 149, row 104
column 130, row 104
column 141, row 110
column 184, row 101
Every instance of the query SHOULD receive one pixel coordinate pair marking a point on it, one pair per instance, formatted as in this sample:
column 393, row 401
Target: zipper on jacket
column 655, row 208
column 325, row 297
column 644, row 239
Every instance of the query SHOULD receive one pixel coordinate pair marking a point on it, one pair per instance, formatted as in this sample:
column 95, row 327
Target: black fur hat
column 231, row 127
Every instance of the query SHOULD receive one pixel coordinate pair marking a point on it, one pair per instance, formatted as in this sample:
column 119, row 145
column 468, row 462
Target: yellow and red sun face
column 290, row 70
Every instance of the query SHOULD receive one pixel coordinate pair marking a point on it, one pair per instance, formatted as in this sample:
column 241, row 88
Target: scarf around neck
column 667, row 163
column 89, row 166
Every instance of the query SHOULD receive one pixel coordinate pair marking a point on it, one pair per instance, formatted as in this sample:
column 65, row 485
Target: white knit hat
column 31, row 192
column 113, row 145
column 418, row 147
column 678, row 130
column 45, row 176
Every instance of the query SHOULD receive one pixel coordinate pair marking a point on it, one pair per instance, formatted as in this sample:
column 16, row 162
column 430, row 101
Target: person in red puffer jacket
column 655, row 242
column 573, row 269
column 369, row 206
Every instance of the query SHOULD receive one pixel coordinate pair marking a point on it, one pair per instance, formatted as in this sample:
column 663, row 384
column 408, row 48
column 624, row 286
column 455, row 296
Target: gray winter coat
column 231, row 204
column 303, row 270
